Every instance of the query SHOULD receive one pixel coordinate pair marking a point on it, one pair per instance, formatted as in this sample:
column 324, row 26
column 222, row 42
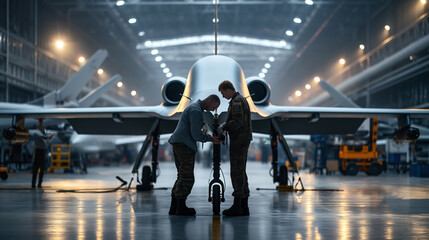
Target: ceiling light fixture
column 120, row 3
column 342, row 61
column 317, row 79
column 298, row 93
column 271, row 59
column 297, row 20
column 154, row 52
column 309, row 2
column 362, row 46
column 261, row 75
column 141, row 33
column 132, row 20
column 387, row 27
column 267, row 65
column 289, row 33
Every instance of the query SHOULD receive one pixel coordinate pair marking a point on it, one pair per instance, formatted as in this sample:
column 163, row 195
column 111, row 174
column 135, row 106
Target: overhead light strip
column 210, row 38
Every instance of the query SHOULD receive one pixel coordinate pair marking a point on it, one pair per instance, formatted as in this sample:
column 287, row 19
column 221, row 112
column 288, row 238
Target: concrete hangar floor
column 389, row 206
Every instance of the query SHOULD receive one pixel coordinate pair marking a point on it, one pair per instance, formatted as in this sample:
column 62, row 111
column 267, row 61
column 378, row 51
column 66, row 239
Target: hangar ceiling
column 323, row 31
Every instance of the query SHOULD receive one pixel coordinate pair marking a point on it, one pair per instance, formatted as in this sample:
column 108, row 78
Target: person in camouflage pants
column 239, row 127
column 184, row 141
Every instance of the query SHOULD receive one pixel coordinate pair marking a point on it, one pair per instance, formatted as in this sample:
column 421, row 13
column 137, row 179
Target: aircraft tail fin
column 74, row 85
column 341, row 99
column 95, row 94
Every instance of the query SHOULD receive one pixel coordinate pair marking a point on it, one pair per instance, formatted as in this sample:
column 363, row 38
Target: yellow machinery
column 363, row 158
column 60, row 157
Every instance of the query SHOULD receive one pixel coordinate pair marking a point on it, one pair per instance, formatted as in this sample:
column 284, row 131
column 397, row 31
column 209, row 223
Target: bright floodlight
column 362, row 46
column 261, row 75
column 423, row 1
column 289, row 33
column 59, row 44
column 100, row 71
column 342, row 61
column 119, row 84
column 309, row 2
column 213, row 20
column 387, row 27
column 154, row 52
column 307, row 86
column 81, row 59
column 132, row 20
column 158, row 58
column 298, row 93
column 297, row 20
column 133, row 93
column 169, row 74
column 271, row 59
column 141, row 33
column 166, row 70
column 163, row 65
column 267, row 65
column 120, row 3
column 317, row 79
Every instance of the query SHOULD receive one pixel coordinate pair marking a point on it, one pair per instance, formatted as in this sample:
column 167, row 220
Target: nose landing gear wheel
column 216, row 199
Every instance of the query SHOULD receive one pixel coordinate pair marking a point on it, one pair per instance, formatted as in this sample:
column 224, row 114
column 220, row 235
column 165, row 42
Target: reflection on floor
column 389, row 206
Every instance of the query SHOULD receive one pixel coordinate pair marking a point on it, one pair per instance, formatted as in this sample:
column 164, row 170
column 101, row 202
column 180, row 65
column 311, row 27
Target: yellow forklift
column 361, row 157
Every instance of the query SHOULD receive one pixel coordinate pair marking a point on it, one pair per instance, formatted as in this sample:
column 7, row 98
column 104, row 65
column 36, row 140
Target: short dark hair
column 226, row 85
column 214, row 98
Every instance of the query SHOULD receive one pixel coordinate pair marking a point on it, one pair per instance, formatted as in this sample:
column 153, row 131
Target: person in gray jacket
column 183, row 140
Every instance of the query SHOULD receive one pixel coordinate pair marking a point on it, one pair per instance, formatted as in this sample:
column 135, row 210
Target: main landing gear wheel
column 283, row 176
column 216, row 199
column 145, row 186
column 352, row 169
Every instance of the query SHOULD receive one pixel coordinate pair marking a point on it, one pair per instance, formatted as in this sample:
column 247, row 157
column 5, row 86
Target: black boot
column 235, row 209
column 173, row 206
column 245, row 206
column 183, row 210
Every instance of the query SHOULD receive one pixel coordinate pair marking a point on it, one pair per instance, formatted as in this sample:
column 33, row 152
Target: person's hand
column 216, row 140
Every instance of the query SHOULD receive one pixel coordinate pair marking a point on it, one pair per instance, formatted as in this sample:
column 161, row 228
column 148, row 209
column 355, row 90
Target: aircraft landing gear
column 216, row 187
column 149, row 174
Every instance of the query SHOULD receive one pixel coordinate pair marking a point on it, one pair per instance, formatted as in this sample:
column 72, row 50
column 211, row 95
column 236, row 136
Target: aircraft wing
column 323, row 120
column 108, row 120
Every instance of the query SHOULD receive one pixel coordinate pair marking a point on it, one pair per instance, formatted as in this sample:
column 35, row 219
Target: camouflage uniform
column 184, row 158
column 239, row 127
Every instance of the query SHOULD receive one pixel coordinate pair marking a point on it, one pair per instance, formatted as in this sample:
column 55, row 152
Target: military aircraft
column 203, row 80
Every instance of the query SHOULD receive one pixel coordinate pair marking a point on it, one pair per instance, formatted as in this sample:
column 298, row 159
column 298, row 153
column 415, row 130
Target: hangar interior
column 374, row 53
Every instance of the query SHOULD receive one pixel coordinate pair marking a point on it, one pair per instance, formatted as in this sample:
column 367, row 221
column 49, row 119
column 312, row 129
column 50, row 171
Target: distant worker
column 40, row 150
column 239, row 127
column 184, row 139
